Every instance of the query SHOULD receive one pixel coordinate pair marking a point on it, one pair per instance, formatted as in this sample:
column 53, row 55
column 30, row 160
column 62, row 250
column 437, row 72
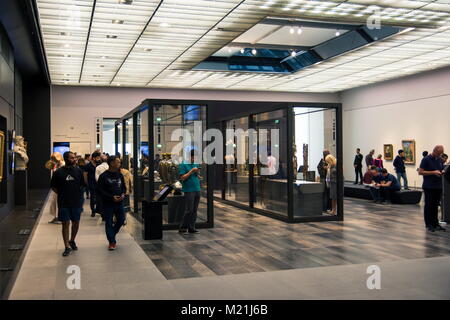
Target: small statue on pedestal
column 21, row 157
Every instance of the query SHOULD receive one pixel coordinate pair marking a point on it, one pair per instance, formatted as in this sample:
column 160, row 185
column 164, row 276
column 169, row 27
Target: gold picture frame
column 388, row 152
column 409, row 147
column 2, row 154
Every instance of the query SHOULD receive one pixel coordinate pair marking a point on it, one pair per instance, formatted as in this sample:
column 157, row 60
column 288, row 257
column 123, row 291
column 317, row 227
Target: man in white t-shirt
column 272, row 165
column 98, row 171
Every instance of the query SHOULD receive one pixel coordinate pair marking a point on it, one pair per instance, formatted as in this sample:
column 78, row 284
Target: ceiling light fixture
column 292, row 30
column 242, row 50
column 125, row 1
column 299, row 31
column 147, row 49
column 66, row 45
column 338, row 33
column 117, row 21
column 110, row 36
column 254, row 52
column 164, row 25
column 293, row 53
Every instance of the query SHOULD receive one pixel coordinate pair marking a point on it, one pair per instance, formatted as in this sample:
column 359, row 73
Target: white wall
column 416, row 107
column 74, row 109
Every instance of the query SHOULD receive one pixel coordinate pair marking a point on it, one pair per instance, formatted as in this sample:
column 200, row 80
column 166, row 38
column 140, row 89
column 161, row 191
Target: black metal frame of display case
column 149, row 104
column 266, row 107
column 287, row 107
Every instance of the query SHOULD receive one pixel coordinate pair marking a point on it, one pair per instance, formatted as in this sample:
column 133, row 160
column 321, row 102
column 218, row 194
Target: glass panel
column 167, row 119
column 119, row 138
column 128, row 158
column 270, row 179
column 236, row 162
column 142, row 182
column 315, row 186
column 108, row 136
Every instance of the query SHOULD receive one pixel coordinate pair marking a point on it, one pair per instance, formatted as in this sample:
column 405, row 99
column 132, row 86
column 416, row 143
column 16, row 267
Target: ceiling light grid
column 64, row 26
column 176, row 26
column 113, row 39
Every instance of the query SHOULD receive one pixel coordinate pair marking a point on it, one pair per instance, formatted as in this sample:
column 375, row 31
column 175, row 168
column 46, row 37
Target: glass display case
column 154, row 152
column 308, row 187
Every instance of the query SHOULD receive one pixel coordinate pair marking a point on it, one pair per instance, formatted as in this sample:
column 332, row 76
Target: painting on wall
column 388, row 152
column 2, row 154
column 409, row 146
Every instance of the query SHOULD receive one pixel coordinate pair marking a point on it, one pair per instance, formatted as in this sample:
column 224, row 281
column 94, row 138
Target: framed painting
column 2, row 154
column 409, row 146
column 388, row 152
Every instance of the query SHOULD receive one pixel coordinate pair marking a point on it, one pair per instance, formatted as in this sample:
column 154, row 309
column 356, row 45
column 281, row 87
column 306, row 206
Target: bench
column 399, row 197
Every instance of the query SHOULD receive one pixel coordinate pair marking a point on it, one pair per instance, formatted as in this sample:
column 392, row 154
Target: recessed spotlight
column 147, row 49
column 293, row 53
column 291, row 30
column 164, row 25
column 117, row 21
column 102, row 66
column 66, row 33
column 67, row 55
column 242, row 50
column 254, row 52
column 66, row 45
column 229, row 50
column 118, row 84
column 110, row 36
column 104, row 57
column 338, row 33
column 125, row 1
column 299, row 31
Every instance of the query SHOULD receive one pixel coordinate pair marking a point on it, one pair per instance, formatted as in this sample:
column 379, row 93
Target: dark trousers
column 326, row 202
column 431, row 209
column 358, row 173
column 93, row 199
column 111, row 227
column 191, row 201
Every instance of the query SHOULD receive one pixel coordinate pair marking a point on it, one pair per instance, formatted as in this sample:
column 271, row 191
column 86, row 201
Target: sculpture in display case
column 21, row 157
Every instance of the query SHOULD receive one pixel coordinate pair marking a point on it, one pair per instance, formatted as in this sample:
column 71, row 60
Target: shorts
column 72, row 214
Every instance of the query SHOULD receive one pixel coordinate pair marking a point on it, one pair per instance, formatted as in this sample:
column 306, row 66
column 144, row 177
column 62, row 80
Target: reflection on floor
column 244, row 242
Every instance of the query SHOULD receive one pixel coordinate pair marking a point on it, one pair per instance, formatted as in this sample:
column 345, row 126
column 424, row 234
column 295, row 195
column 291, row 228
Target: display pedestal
column 153, row 217
column 20, row 187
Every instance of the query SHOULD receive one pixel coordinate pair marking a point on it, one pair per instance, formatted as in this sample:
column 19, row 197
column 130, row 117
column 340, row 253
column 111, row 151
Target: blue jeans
column 111, row 228
column 405, row 179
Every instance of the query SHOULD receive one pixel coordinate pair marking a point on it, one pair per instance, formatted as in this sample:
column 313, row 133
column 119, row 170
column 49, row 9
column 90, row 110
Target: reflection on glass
column 270, row 179
column 119, row 138
column 236, row 161
column 142, row 182
column 127, row 164
column 315, row 180
column 167, row 119
column 108, row 138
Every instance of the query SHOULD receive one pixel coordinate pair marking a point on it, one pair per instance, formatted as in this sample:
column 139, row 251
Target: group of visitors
column 382, row 184
column 109, row 187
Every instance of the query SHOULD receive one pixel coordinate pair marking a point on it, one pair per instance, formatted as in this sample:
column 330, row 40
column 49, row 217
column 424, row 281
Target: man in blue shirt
column 374, row 188
column 189, row 176
column 431, row 168
column 399, row 165
column 389, row 184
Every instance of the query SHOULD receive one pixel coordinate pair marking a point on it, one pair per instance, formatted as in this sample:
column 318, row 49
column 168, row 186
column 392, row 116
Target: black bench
column 399, row 197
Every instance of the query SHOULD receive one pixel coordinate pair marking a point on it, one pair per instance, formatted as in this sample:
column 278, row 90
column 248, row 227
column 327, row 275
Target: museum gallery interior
column 275, row 149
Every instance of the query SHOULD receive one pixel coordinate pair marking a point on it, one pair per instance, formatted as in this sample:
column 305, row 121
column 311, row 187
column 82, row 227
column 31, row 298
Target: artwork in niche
column 388, row 152
column 409, row 146
column 2, row 153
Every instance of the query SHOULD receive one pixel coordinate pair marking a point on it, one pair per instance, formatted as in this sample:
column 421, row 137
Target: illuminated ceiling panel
column 156, row 43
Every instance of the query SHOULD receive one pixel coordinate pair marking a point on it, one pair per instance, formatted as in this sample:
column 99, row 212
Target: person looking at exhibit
column 67, row 182
column 431, row 168
column 378, row 162
column 368, row 176
column 111, row 187
column 322, row 169
column 56, row 161
column 400, row 169
column 332, row 181
column 357, row 163
column 89, row 178
column 189, row 176
column 369, row 158
column 102, row 167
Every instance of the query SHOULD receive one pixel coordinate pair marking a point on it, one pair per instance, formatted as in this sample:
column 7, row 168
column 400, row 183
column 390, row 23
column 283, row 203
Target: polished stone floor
column 244, row 242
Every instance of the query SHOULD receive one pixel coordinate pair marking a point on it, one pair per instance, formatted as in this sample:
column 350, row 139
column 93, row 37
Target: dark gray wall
column 10, row 97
